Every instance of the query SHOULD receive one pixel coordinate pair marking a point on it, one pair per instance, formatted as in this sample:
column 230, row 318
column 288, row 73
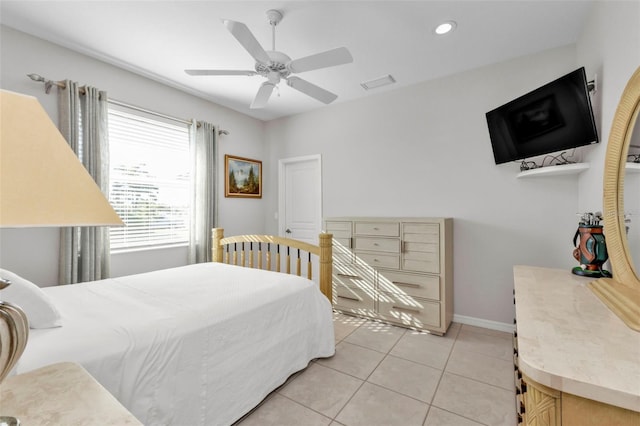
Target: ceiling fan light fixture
column 445, row 28
column 378, row 82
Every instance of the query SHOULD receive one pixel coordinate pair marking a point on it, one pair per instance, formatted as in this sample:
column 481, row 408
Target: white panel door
column 300, row 198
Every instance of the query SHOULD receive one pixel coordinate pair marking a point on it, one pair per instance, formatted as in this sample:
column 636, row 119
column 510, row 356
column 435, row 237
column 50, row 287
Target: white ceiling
column 159, row 39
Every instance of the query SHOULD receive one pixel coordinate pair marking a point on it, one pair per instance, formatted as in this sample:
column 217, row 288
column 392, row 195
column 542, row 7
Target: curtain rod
column 48, row 84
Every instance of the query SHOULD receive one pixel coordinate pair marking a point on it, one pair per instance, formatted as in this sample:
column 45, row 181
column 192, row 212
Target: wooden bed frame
column 262, row 247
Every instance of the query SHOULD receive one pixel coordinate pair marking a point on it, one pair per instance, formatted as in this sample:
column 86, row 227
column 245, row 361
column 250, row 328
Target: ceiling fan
column 275, row 66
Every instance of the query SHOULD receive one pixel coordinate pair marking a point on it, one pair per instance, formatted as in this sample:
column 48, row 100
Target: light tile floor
column 385, row 375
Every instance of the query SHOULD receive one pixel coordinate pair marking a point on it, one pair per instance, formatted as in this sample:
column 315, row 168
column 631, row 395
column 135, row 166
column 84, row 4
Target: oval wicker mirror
column 622, row 292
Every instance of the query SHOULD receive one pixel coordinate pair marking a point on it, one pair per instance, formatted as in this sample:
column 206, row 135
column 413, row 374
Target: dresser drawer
column 421, row 232
column 338, row 229
column 382, row 229
column 343, row 242
column 341, row 250
column 426, row 286
column 378, row 260
column 421, row 262
column 388, row 245
column 418, row 247
column 354, row 300
column 409, row 311
column 354, row 276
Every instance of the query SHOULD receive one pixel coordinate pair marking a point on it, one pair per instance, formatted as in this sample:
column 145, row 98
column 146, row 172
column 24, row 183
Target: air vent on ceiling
column 378, row 82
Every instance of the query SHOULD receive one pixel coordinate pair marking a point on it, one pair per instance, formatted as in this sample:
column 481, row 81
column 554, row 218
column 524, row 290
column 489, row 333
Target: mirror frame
column 622, row 292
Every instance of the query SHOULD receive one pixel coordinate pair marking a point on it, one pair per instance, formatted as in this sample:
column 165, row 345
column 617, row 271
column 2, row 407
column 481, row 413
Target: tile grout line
column 388, row 354
column 444, row 368
column 365, row 380
column 469, row 378
column 308, row 408
column 331, row 419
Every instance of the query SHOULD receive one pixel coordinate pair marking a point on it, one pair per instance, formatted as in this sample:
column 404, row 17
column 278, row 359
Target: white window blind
column 149, row 178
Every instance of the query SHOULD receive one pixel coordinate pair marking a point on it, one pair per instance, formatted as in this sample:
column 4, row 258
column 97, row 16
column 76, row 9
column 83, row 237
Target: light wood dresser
column 576, row 362
column 399, row 270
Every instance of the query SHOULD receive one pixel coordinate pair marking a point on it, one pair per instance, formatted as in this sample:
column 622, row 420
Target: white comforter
column 195, row 345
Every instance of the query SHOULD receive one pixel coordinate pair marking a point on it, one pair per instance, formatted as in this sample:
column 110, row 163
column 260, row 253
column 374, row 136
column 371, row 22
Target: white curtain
column 84, row 252
column 204, row 141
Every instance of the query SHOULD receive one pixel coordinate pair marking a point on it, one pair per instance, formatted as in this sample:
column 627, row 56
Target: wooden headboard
column 257, row 251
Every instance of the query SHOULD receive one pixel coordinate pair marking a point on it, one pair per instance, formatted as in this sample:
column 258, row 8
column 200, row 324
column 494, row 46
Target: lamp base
column 598, row 273
column 9, row 421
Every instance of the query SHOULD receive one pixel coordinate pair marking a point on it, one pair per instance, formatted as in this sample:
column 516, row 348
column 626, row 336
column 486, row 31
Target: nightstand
column 61, row 394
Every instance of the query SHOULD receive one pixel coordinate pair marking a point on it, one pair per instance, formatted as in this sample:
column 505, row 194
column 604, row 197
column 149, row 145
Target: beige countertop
column 61, row 394
column 570, row 341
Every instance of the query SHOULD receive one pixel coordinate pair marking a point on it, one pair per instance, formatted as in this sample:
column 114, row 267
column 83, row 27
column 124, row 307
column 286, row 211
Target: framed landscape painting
column 243, row 177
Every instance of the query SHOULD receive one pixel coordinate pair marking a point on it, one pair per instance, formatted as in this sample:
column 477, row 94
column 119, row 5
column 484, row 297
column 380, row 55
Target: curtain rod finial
column 35, row 77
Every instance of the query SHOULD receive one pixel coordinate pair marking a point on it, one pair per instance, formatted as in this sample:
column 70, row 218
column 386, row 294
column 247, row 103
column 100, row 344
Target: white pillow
column 34, row 302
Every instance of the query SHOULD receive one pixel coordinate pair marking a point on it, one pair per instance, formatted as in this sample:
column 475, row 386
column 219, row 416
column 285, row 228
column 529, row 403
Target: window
column 149, row 178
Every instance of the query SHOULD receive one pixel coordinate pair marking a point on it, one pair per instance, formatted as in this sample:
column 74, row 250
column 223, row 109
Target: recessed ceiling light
column 445, row 28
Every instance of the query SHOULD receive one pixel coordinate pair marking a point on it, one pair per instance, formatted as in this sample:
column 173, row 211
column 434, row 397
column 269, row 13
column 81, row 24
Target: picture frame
column 243, row 177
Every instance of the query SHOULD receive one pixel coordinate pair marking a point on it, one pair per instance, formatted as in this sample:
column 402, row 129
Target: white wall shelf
column 563, row 169
column 632, row 167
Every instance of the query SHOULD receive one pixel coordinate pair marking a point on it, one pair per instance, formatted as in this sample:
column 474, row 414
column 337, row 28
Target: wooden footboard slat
column 278, row 261
column 221, row 248
column 288, row 261
column 269, row 257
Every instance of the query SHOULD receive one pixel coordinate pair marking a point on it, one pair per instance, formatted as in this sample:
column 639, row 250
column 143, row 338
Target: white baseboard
column 479, row 322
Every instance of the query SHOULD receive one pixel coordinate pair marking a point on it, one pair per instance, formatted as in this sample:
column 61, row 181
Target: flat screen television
column 554, row 117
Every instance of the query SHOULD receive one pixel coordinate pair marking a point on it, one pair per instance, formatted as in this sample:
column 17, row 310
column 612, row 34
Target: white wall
column 34, row 252
column 425, row 151
column 610, row 48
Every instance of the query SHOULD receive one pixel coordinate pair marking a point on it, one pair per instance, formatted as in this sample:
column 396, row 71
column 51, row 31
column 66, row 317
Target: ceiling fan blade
column 312, row 90
column 220, row 72
column 241, row 32
column 263, row 95
column 330, row 58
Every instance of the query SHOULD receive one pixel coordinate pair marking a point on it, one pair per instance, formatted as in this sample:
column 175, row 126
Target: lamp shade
column 42, row 181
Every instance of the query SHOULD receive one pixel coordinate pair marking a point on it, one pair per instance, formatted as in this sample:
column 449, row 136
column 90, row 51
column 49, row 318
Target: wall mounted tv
column 554, row 117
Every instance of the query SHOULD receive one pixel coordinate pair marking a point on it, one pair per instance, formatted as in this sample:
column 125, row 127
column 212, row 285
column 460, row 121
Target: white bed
column 196, row 345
